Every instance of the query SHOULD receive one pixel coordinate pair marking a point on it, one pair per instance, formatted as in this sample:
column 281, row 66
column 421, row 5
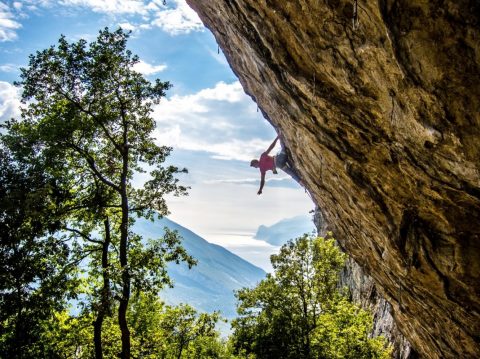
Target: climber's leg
column 282, row 161
column 290, row 171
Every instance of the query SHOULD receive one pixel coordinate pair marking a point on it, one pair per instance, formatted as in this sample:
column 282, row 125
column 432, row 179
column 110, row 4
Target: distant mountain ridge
column 209, row 285
column 289, row 228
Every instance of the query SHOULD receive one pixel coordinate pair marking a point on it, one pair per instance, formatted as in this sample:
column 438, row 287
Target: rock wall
column 364, row 292
column 378, row 103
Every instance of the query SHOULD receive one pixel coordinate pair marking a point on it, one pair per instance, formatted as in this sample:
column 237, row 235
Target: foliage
column 88, row 117
column 189, row 334
column 33, row 279
column 158, row 331
column 343, row 332
column 298, row 312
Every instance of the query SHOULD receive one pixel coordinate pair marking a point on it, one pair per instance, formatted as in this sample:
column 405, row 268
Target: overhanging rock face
column 380, row 110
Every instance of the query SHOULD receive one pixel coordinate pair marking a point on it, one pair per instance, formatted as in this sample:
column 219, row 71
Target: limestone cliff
column 364, row 291
column 378, row 103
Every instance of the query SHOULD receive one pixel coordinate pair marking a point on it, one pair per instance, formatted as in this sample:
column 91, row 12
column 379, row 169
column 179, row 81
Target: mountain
column 286, row 229
column 209, row 285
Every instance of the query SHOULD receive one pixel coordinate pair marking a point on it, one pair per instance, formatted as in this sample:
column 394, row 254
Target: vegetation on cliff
column 299, row 312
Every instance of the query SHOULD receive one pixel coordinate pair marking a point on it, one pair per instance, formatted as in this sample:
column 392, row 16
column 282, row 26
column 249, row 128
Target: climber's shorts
column 281, row 159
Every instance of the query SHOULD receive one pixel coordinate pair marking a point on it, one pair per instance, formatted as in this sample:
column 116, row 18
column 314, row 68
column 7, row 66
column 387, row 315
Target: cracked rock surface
column 379, row 108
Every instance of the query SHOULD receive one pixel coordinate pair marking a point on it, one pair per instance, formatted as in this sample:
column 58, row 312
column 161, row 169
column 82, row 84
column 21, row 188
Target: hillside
column 210, row 284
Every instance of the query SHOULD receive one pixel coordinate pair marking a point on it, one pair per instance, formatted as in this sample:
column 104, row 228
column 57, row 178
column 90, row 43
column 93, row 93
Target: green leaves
column 87, row 123
column 158, row 331
column 298, row 312
column 32, row 258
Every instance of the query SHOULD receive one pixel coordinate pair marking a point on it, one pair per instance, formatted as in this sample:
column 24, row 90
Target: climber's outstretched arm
column 262, row 183
column 271, row 146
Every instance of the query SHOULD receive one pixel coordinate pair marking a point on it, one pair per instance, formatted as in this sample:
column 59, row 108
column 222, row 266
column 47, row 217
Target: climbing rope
column 355, row 20
column 313, row 96
column 400, row 296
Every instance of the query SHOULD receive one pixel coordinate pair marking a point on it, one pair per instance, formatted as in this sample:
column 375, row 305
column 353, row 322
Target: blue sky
column 214, row 127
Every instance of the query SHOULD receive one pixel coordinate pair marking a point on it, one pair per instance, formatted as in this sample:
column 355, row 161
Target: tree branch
column 94, row 117
column 78, row 260
column 83, row 235
column 91, row 164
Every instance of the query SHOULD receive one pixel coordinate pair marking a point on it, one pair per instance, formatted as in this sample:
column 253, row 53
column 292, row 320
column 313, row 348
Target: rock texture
column 378, row 103
column 364, row 292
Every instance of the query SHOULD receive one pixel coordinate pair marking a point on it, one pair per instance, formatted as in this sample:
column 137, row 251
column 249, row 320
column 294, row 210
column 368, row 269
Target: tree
column 90, row 111
column 33, row 282
column 158, row 331
column 298, row 312
column 186, row 330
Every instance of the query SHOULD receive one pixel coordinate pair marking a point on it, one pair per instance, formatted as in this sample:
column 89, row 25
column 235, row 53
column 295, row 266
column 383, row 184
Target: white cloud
column 154, row 5
column 221, row 120
column 229, row 149
column 8, row 25
column 110, row 6
column 180, row 20
column 245, row 246
column 204, row 101
column 127, row 26
column 33, row 5
column 9, row 67
column 9, row 101
column 148, row 69
column 246, row 180
column 221, row 213
column 174, row 18
column 224, row 92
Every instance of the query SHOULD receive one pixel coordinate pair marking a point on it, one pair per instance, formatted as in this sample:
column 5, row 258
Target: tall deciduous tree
column 89, row 108
column 298, row 312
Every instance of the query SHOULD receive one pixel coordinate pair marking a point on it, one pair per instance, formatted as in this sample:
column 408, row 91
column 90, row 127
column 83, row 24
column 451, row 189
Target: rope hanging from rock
column 355, row 14
column 400, row 296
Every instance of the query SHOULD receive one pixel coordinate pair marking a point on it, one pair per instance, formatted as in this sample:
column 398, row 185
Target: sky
column 214, row 128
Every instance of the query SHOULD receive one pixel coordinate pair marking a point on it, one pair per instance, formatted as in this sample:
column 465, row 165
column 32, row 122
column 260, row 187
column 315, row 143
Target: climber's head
column 254, row 163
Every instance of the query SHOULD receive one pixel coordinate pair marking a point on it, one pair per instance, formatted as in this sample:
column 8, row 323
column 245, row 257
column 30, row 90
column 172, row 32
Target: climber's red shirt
column 266, row 163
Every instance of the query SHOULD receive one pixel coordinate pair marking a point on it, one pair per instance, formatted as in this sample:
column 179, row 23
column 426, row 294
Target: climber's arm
column 271, row 146
column 262, row 183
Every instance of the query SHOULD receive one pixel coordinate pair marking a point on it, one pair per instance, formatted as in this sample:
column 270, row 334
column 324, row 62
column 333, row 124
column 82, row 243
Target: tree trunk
column 125, row 297
column 105, row 294
column 19, row 332
column 97, row 334
column 180, row 350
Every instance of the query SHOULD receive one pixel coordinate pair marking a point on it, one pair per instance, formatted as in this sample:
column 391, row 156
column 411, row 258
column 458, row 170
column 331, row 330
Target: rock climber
column 267, row 162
